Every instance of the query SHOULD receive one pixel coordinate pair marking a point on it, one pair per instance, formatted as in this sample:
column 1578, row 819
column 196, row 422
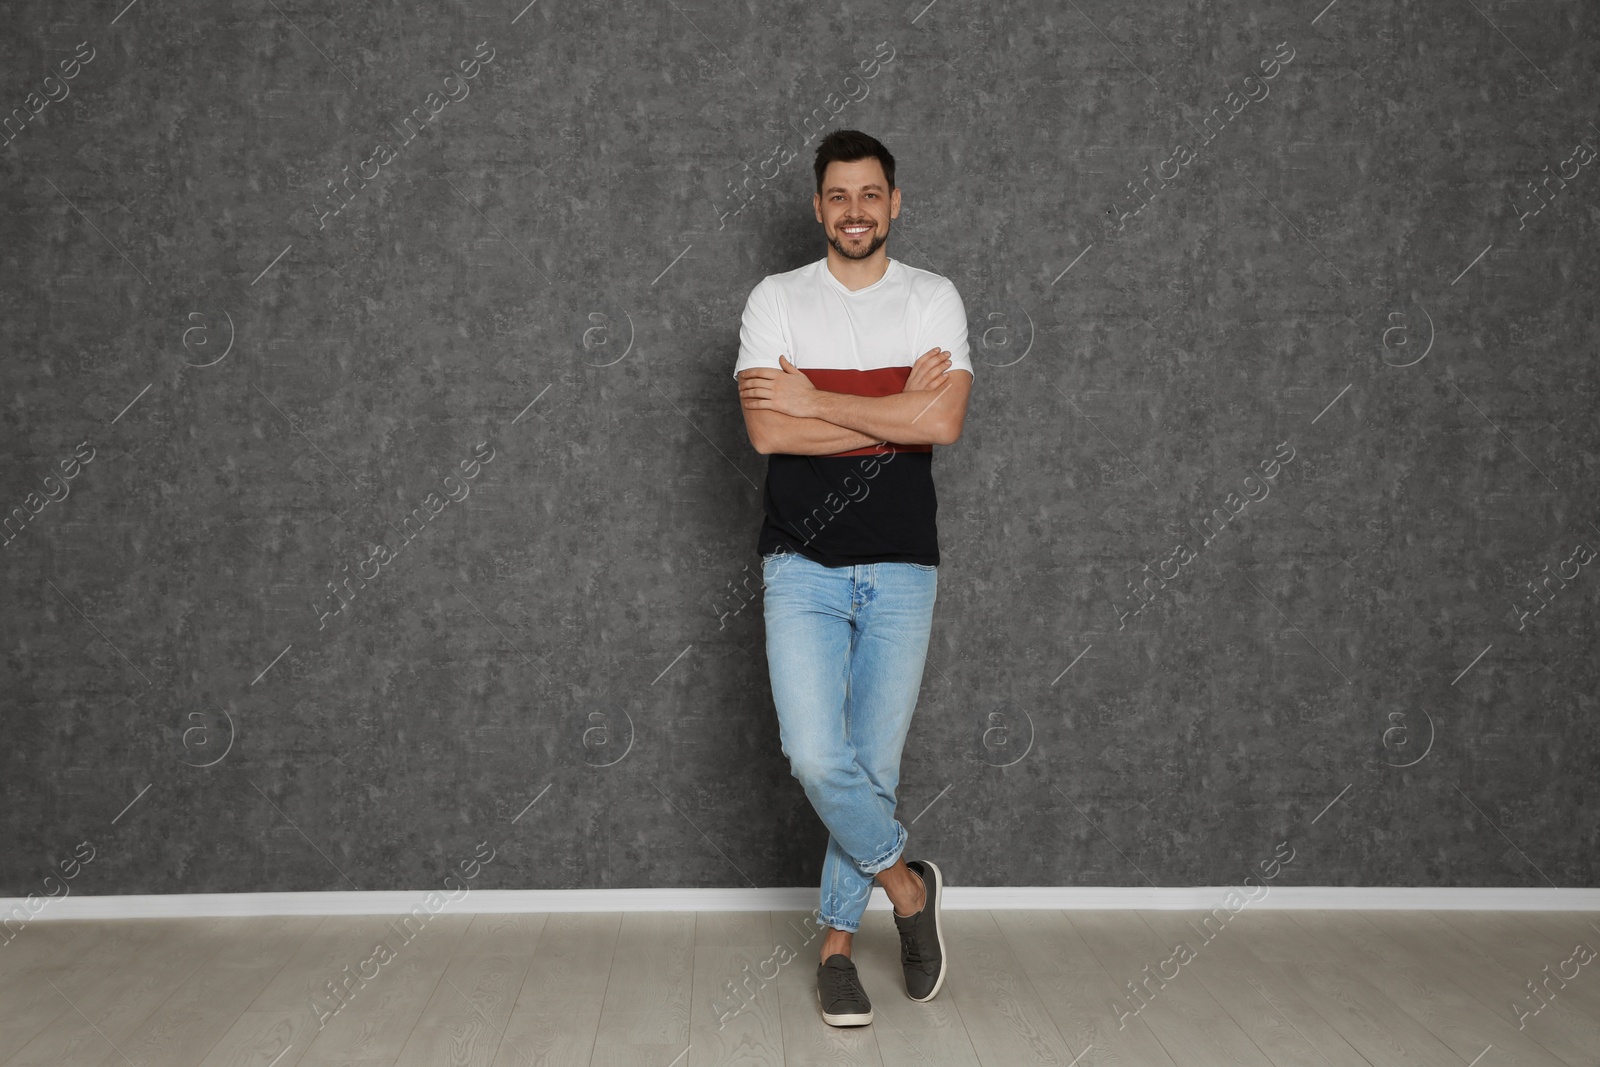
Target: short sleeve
column 945, row 326
column 760, row 331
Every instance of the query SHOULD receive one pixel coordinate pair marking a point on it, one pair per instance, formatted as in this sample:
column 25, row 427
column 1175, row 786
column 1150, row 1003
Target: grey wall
column 551, row 274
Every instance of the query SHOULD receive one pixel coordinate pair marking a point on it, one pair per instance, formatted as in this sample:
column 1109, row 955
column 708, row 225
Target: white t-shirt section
column 809, row 316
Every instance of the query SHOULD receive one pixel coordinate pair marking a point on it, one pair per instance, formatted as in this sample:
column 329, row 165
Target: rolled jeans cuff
column 888, row 858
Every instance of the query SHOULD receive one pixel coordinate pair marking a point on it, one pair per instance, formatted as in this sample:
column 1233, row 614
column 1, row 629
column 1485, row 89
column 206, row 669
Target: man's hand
column 930, row 371
column 786, row 390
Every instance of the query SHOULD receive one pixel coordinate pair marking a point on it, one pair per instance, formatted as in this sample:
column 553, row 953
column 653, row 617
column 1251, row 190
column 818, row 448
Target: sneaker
column 844, row 1002
column 922, row 937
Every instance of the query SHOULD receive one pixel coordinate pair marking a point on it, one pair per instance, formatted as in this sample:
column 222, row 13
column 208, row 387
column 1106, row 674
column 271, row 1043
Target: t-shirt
column 867, row 505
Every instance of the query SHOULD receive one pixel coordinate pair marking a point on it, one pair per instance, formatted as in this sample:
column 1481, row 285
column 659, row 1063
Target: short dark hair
column 847, row 146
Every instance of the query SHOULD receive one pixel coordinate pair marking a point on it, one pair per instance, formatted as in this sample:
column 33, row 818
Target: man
column 835, row 394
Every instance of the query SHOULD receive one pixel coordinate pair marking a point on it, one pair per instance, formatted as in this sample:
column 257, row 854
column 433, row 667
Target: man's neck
column 856, row 274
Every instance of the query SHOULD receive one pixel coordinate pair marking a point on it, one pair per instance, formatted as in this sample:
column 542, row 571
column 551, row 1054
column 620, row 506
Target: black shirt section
column 840, row 511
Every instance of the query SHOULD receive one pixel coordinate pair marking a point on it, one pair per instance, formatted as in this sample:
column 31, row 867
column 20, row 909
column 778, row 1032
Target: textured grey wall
column 507, row 334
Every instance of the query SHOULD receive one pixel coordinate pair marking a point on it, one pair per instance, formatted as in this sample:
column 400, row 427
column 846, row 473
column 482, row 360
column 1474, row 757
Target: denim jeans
column 845, row 648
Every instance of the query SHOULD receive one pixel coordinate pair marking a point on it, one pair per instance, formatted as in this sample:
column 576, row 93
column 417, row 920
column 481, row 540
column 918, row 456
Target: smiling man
column 851, row 368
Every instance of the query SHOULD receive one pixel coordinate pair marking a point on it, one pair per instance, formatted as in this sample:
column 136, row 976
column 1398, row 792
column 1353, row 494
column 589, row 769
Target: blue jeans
column 845, row 648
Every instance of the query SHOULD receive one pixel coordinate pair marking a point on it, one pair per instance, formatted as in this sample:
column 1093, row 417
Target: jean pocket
column 923, row 566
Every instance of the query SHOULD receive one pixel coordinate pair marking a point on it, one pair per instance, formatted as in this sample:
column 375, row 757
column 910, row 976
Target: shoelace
column 849, row 986
column 911, row 951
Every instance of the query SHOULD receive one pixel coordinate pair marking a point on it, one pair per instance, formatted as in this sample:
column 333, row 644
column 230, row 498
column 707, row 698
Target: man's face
column 855, row 207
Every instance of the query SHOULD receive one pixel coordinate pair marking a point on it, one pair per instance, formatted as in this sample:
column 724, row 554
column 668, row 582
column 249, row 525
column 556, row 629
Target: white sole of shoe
column 856, row 1019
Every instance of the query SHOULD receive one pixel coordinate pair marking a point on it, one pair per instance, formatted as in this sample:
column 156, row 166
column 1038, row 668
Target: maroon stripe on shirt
column 884, row 381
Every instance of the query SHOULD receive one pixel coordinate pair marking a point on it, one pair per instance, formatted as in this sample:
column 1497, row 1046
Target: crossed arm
column 784, row 412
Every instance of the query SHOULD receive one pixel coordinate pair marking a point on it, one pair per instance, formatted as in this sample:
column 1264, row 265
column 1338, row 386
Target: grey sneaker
column 922, row 937
column 844, row 1002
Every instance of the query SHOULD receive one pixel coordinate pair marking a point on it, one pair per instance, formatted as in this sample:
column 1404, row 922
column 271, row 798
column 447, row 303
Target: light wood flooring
column 1330, row 989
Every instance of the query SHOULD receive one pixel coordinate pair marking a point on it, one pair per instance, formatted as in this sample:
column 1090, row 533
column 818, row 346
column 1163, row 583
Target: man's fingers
column 931, row 359
column 928, row 371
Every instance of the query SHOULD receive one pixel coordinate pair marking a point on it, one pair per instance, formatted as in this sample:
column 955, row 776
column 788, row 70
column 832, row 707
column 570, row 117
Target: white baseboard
column 956, row 898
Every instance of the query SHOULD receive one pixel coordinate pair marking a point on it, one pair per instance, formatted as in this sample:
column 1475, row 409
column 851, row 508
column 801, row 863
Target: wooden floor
column 648, row 989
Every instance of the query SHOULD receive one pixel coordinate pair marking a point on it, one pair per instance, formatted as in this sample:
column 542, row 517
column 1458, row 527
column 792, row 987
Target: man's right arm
column 773, row 431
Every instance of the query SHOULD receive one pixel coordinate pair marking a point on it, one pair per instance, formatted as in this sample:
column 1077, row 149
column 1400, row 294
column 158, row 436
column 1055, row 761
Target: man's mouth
column 854, row 230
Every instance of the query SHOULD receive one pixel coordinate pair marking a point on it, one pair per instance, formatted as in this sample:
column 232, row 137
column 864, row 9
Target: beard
column 860, row 251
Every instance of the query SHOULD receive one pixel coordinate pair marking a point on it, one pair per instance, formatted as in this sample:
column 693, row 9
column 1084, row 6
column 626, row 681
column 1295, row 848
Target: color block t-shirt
column 867, row 505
